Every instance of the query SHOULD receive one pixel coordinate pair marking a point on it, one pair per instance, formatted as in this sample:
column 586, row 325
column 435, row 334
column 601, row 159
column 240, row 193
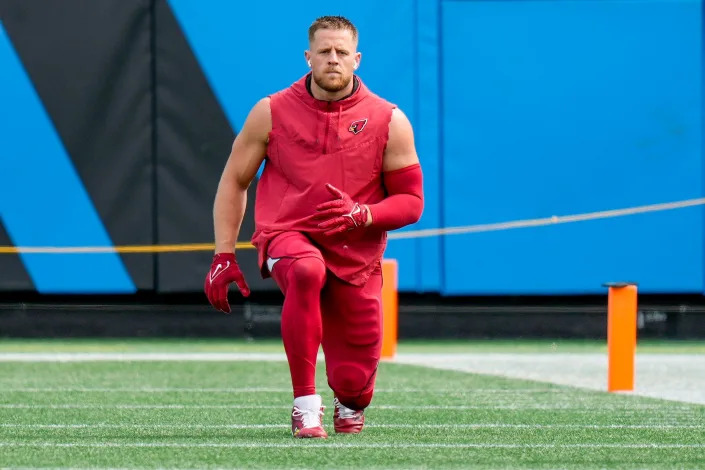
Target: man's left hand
column 341, row 214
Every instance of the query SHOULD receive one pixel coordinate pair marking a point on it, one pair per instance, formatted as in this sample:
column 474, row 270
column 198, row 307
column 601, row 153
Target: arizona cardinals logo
column 357, row 126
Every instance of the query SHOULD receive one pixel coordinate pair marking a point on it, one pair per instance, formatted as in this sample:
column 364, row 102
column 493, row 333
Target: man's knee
column 352, row 384
column 307, row 273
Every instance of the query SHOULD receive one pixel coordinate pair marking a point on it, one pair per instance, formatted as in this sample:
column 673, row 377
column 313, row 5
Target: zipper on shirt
column 325, row 137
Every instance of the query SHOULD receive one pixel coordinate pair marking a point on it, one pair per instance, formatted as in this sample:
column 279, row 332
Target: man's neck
column 323, row 95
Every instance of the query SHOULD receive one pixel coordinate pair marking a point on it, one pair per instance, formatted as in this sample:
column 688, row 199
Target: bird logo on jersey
column 357, row 126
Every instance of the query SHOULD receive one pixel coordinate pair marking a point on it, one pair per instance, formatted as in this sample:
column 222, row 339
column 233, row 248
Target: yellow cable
column 185, row 247
column 433, row 232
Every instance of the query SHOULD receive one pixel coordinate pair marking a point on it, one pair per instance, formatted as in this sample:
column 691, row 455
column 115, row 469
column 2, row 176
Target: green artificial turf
column 236, row 414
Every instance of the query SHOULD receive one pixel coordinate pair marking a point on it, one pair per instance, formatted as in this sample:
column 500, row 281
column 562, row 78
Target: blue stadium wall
column 521, row 110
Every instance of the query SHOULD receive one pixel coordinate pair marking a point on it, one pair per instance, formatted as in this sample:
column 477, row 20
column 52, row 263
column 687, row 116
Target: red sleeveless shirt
column 312, row 143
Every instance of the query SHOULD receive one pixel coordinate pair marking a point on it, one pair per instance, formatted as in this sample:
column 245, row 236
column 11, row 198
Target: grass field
column 235, row 414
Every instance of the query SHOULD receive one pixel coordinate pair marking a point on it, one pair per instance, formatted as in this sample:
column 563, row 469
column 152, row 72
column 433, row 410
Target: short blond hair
column 332, row 22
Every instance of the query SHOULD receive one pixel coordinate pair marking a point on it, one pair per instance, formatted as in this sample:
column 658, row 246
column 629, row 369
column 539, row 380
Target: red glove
column 341, row 214
column 224, row 270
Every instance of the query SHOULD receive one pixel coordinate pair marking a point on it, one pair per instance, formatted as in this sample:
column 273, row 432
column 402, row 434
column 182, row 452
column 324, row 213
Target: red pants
column 320, row 309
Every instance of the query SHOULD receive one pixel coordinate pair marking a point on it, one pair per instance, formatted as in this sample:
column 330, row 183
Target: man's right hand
column 224, row 270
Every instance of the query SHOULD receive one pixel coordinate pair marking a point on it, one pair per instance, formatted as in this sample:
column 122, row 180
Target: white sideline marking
column 660, row 427
column 276, row 390
column 361, row 445
column 588, row 407
column 94, row 356
column 679, row 377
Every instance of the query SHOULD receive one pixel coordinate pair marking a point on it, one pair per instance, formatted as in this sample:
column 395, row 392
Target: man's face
column 333, row 58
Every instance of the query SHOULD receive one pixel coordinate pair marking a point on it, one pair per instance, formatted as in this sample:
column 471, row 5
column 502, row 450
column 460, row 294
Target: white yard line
column 141, row 357
column 267, row 390
column 655, row 427
column 587, row 407
column 352, row 445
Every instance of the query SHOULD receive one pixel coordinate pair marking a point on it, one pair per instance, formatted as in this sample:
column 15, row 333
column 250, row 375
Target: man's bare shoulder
column 399, row 122
column 262, row 110
column 263, row 103
column 400, row 151
column 259, row 122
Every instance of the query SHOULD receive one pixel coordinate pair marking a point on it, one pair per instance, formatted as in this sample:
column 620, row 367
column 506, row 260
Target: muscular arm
column 246, row 156
column 402, row 179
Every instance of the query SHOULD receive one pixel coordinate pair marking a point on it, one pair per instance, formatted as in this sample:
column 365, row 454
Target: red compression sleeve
column 404, row 203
